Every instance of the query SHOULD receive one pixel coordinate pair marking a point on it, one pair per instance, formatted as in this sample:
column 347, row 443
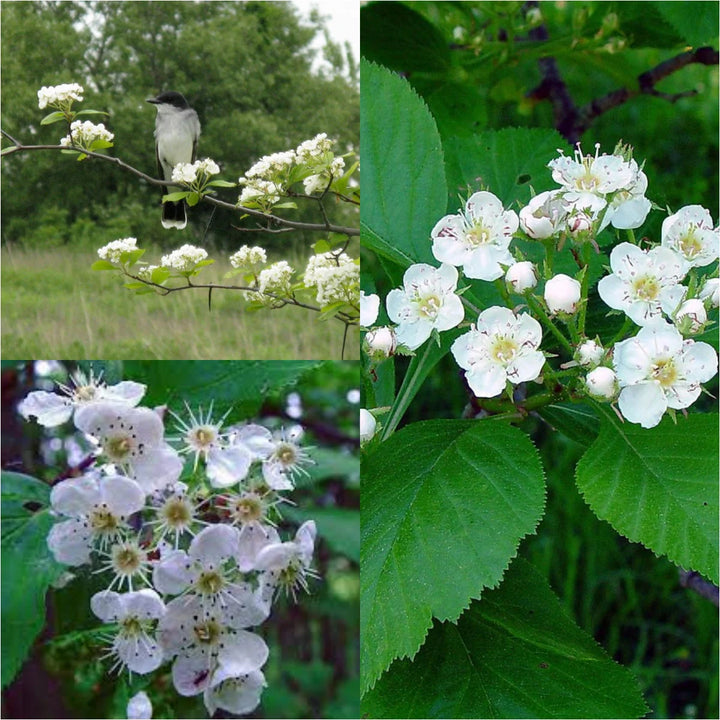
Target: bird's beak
column 152, row 100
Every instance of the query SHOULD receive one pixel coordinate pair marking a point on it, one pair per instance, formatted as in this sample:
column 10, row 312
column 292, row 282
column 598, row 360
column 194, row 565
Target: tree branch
column 704, row 588
column 271, row 219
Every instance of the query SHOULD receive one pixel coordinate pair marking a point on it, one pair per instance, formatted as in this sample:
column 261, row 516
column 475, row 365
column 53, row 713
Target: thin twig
column 704, row 588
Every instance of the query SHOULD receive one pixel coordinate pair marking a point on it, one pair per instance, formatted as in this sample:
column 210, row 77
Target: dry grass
column 55, row 306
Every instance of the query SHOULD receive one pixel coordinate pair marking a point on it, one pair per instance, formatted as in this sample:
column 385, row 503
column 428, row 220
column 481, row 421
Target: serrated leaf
column 402, row 153
column 513, row 654
column 658, row 486
column 160, row 275
column 103, row 265
column 445, row 504
column 577, row 421
column 53, row 117
column 698, row 27
column 28, row 567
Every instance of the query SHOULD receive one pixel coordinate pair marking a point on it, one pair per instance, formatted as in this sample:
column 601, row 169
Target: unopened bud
column 601, row 383
column 589, row 353
column 690, row 319
column 521, row 277
column 380, row 343
column 368, row 426
column 710, row 292
column 562, row 294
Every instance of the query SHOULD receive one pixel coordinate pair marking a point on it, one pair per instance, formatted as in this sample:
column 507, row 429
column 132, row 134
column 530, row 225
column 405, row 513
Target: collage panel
column 539, row 304
column 180, row 539
column 181, row 180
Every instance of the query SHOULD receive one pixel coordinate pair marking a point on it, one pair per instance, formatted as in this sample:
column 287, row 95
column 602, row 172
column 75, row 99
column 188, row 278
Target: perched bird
column 177, row 129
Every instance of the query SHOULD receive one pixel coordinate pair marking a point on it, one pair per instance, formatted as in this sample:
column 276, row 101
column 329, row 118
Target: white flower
column 691, row 317
column 133, row 439
column 287, row 565
column 113, row 251
column 501, row 347
column 315, row 183
column 544, row 215
column 369, row 308
column 520, row 277
column 139, row 707
column 478, row 238
column 184, row 258
column 426, row 302
column 657, row 370
column 285, row 462
column 629, row 207
column 336, row 276
column 134, row 612
column 238, row 694
column 710, row 292
column 601, row 383
column 644, row 284
column 184, row 173
column 248, row 258
column 84, row 134
column 59, row 95
column 380, row 343
column 601, row 174
column 562, row 294
column 98, row 510
column 208, row 166
column 176, row 513
column 690, row 232
column 275, row 279
column 368, row 425
column 589, row 353
column 311, row 151
column 259, row 191
column 51, row 409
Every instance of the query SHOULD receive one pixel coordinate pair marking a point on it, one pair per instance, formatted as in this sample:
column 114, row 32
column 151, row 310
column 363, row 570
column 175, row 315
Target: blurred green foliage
column 246, row 67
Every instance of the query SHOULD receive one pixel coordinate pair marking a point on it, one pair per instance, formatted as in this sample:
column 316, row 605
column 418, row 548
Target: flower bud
column 562, row 294
column 589, row 353
column 601, row 383
column 539, row 218
column 521, row 277
column 380, row 343
column 579, row 223
column 368, row 425
column 369, row 307
column 691, row 317
column 710, row 292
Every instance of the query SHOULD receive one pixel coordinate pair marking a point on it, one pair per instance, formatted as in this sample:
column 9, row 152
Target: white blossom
column 84, row 134
column 380, row 343
column 369, row 308
column 520, row 277
column 710, row 292
column 426, row 302
column 184, row 258
column 477, row 238
column 335, row 276
column 602, row 383
column 562, row 294
column 59, row 95
column 285, row 462
column 589, row 353
column 139, row 707
column 544, row 215
column 657, row 370
column 690, row 233
column 113, row 251
column 238, row 694
column 500, row 347
column 691, row 317
column 644, row 284
column 248, row 258
column 368, row 425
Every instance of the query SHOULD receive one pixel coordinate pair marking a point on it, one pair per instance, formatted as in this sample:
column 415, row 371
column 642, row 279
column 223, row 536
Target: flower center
column 503, row 350
column 429, row 306
column 286, row 453
column 208, row 632
column 210, row 582
column 202, row 438
column 85, row 393
column 127, row 558
column 118, row 448
column 177, row 512
column 690, row 245
column 102, row 521
column 248, row 508
column 478, row 235
column 131, row 626
column 665, row 372
column 646, row 288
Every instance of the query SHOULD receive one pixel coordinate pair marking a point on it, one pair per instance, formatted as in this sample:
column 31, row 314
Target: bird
column 177, row 129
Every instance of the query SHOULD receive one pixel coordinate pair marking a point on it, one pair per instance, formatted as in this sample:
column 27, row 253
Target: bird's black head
column 175, row 99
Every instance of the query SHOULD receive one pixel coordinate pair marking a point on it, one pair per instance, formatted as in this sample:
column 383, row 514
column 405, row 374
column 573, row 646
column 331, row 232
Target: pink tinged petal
column 69, row 542
column 145, row 603
column 228, row 466
column 700, row 362
column 171, row 574
column 237, row 695
column 49, row 409
column 253, row 538
column 242, row 652
column 631, row 214
column 122, row 495
column 414, row 334
column 190, row 673
column 451, row 314
column 127, row 392
column 157, row 468
column 214, row 544
column 275, row 477
column 526, row 367
column 644, row 403
column 108, row 606
column 76, row 496
column 486, row 379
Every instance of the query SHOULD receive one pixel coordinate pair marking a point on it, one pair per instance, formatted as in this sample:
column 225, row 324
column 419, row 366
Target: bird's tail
column 173, row 215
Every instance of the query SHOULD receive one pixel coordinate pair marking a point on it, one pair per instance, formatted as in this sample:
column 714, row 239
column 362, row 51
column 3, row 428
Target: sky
column 343, row 23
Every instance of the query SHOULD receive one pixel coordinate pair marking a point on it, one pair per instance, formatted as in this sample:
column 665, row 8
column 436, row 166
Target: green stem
column 540, row 313
column 585, row 250
column 631, row 237
column 502, row 289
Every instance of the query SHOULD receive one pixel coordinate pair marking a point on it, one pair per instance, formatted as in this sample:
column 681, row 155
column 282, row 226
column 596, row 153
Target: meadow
column 55, row 306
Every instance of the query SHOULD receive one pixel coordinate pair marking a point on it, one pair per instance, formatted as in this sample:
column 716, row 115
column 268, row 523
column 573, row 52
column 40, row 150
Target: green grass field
column 55, row 306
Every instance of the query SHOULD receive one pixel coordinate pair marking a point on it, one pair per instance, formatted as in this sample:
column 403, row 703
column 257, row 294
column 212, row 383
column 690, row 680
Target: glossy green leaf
column 697, row 28
column 577, row 421
column 658, row 486
column 28, row 567
column 445, row 504
column 403, row 155
column 513, row 654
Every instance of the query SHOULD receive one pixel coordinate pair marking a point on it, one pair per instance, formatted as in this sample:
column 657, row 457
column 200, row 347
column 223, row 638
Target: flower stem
column 585, row 250
column 545, row 319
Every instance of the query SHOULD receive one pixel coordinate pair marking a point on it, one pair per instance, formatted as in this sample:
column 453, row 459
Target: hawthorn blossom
column 427, row 302
column 238, row 694
column 184, row 259
column 478, row 238
column 135, row 612
column 602, row 383
column 544, row 215
column 52, row 409
column 249, row 511
column 590, row 353
column 500, row 347
column 368, row 425
column 657, row 370
column 285, row 462
column 249, row 258
column 131, row 438
column 520, row 277
column 139, row 707
column 97, row 509
column 85, row 134
column 562, row 294
column 690, row 233
column 380, row 343
column 644, row 284
column 59, row 96
column 113, row 251
column 369, row 308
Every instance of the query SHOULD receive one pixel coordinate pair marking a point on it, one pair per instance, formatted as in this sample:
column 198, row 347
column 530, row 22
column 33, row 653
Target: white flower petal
column 242, row 652
column 76, row 496
column 413, row 335
column 108, row 606
column 49, row 409
column 139, row 707
column 190, row 673
column 238, row 695
column 369, row 308
column 644, row 403
column 486, row 379
column 171, row 574
column 253, row 538
column 526, row 367
column 157, row 468
column 228, row 466
column 145, row 603
column 214, row 544
column 127, row 392
column 700, row 361
column 274, row 475
column 122, row 495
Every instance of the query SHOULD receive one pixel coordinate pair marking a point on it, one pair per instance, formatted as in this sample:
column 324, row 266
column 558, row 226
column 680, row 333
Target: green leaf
column 698, row 27
column 103, row 265
column 513, row 654
column 53, row 117
column 445, row 504
column 240, row 385
column 403, row 155
column 193, row 199
column 339, row 527
column 289, row 204
column 175, row 196
column 91, row 112
column 577, row 421
column 28, row 567
column 9, row 149
column 658, row 487
column 222, row 183
column 508, row 162
column 160, row 275
column 134, row 285
column 371, row 240
column 402, row 39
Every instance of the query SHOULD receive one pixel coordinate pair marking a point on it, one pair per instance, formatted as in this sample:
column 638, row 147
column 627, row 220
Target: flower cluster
column 88, row 136
column 193, row 565
column 652, row 366
column 198, row 172
column 59, row 96
column 275, row 279
column 113, row 252
column 335, row 276
column 248, row 258
column 184, row 259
